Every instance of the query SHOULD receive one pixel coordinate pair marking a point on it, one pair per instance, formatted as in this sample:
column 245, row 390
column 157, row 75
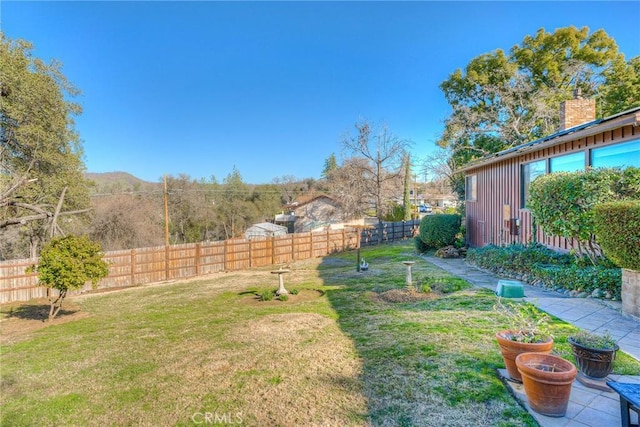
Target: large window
column 530, row 171
column 619, row 155
column 470, row 188
column 567, row 163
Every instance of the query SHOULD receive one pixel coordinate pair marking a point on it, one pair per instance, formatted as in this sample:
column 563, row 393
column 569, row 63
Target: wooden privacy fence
column 156, row 264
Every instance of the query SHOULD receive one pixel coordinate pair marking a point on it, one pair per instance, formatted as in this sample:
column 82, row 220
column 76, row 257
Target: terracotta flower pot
column 511, row 349
column 593, row 362
column 547, row 381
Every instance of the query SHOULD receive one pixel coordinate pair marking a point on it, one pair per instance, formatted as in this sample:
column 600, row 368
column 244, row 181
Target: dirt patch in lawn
column 304, row 295
column 19, row 321
column 402, row 295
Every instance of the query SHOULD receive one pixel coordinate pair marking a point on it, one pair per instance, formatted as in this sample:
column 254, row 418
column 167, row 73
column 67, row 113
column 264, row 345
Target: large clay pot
column 593, row 362
column 547, row 381
column 511, row 349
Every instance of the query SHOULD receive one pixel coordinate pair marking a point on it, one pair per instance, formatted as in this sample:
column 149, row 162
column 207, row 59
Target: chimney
column 577, row 111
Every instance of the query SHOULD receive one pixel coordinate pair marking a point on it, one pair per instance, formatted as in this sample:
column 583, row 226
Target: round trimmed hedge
column 617, row 229
column 439, row 230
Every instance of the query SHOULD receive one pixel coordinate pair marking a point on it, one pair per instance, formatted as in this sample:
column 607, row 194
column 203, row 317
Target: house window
column 567, row 163
column 530, row 171
column 619, row 155
column 470, row 188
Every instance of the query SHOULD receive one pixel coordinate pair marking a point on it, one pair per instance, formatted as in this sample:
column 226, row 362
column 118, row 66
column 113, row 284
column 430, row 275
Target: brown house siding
column 498, row 185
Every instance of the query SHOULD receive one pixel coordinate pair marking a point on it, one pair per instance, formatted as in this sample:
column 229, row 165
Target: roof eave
column 630, row 117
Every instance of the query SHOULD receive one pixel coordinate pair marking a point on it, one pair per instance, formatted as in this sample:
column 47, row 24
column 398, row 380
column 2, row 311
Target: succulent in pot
column 594, row 353
column 528, row 333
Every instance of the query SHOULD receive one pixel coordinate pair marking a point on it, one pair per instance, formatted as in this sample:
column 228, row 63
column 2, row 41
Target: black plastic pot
column 593, row 362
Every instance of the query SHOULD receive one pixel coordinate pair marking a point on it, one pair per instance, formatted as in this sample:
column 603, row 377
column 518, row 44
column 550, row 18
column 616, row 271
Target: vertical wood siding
column 498, row 184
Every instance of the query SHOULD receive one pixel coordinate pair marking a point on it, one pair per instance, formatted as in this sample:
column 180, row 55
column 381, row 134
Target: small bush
column 617, row 228
column 439, row 230
column 444, row 285
column 447, row 285
column 294, row 291
column 580, row 279
column 267, row 295
column 283, row 297
column 516, row 257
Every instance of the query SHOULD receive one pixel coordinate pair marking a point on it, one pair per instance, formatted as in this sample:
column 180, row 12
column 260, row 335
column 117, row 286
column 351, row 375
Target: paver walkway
column 587, row 406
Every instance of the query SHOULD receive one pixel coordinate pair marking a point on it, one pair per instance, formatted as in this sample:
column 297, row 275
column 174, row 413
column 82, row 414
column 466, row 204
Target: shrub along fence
column 138, row 266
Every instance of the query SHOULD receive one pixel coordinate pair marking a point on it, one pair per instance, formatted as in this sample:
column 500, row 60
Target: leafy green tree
column 330, row 164
column 40, row 152
column 502, row 100
column 234, row 210
column 191, row 212
column 267, row 201
column 66, row 264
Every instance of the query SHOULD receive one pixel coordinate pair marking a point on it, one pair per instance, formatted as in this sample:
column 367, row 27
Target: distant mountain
column 119, row 182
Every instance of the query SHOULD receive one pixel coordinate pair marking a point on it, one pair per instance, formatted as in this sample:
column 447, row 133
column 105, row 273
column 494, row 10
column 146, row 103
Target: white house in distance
column 318, row 213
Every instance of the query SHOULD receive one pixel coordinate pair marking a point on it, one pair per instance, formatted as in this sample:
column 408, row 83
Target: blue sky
column 271, row 87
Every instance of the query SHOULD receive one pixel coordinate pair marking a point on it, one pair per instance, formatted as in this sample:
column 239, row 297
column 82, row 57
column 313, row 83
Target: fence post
column 343, row 239
column 250, row 254
column 166, row 262
column 273, row 250
column 293, row 246
column 133, row 267
column 311, row 244
column 224, row 255
column 197, row 259
column 327, row 252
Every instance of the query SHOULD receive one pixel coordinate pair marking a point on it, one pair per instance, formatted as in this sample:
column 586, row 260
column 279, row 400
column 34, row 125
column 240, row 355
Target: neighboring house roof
column 265, row 229
column 305, row 201
column 629, row 117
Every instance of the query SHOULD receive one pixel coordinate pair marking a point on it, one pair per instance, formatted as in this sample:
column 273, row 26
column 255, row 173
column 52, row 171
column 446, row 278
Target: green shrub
column 267, row 295
column 283, row 297
column 420, row 246
column 66, row 264
column 447, row 285
column 294, row 291
column 617, row 227
column 517, row 257
column 439, row 230
column 580, row 279
column 562, row 203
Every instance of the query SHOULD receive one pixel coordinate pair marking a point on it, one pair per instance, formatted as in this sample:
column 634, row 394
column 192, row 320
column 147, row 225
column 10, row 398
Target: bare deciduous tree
column 382, row 152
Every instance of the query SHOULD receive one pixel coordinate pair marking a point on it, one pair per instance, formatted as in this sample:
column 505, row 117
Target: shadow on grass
column 35, row 312
column 424, row 362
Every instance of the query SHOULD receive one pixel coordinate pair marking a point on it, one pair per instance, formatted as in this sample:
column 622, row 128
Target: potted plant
column 547, row 381
column 528, row 333
column 594, row 353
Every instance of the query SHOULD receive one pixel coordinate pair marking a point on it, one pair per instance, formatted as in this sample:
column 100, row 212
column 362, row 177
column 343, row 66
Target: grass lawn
column 348, row 350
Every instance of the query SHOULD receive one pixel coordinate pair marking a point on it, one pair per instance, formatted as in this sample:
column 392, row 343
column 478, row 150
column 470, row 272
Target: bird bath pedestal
column 281, row 289
column 409, row 279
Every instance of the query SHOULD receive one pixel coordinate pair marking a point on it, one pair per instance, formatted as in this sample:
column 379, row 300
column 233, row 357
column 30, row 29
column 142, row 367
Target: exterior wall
column 498, row 186
column 318, row 212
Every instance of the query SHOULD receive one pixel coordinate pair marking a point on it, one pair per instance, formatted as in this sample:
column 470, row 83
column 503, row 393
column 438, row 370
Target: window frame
column 471, row 181
column 525, row 183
